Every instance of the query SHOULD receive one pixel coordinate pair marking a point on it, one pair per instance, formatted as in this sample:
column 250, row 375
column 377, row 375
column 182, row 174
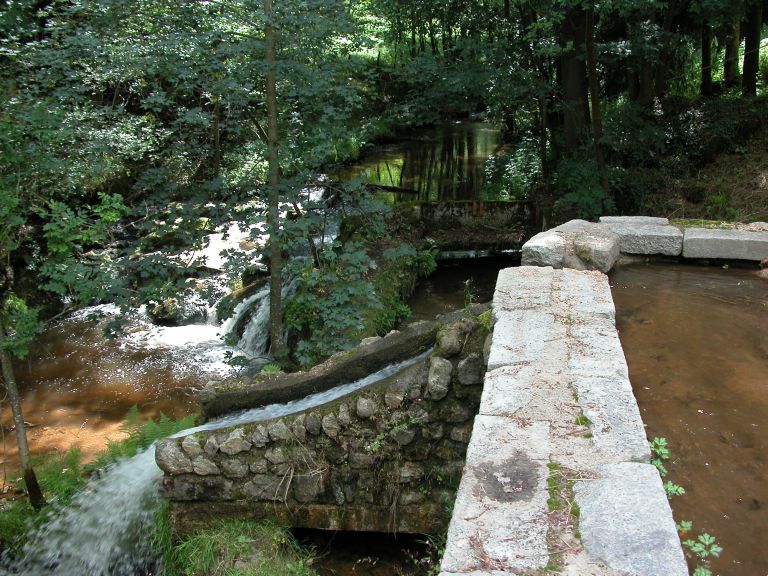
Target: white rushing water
column 294, row 406
column 107, row 530
column 104, row 532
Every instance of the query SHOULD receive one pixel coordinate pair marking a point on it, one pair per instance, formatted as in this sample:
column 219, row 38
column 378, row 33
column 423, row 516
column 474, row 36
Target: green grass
column 700, row 223
column 61, row 477
column 239, row 548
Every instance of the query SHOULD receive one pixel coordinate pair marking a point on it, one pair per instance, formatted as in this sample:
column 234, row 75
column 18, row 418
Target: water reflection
column 444, row 163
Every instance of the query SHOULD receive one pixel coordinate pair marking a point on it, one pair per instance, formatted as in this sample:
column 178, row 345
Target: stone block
column 507, row 390
column 615, row 422
column 278, row 430
column 191, row 446
column 307, row 487
column 365, row 407
column 469, row 371
column 576, row 244
column 627, row 523
column 585, row 293
column 648, row 238
column 439, row 379
column 544, row 249
column 523, row 288
column 266, row 487
column 523, row 337
column 203, row 466
column 596, row 248
column 501, row 505
column 725, row 244
column 634, row 220
column 170, row 458
column 235, row 443
column 595, row 350
column 330, row 425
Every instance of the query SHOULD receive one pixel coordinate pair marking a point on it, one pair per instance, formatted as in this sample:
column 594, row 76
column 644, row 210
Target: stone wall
column 476, row 225
column 388, row 458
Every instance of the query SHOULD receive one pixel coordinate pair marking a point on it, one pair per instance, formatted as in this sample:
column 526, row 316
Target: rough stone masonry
column 388, row 458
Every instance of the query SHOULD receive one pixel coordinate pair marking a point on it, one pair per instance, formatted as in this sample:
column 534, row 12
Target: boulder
column 576, row 244
column 439, row 379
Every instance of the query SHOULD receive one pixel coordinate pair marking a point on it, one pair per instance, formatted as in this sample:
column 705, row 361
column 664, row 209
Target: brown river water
column 696, row 341
column 77, row 386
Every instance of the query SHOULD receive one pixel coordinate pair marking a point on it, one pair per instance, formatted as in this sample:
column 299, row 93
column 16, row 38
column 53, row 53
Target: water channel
column 696, row 342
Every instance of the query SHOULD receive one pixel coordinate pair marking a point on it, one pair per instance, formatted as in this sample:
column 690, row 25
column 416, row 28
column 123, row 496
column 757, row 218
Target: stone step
column 725, row 244
column 499, row 521
column 626, row 522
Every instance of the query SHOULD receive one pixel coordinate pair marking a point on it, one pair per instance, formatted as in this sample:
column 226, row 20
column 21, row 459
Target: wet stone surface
column 508, row 481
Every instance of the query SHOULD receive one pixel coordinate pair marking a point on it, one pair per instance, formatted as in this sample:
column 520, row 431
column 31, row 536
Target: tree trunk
column 30, row 480
column 752, row 48
column 645, row 84
column 731, row 62
column 273, row 216
column 706, row 60
column 594, row 91
column 573, row 78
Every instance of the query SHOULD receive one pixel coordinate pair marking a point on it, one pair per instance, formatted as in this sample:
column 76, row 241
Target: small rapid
column 107, row 530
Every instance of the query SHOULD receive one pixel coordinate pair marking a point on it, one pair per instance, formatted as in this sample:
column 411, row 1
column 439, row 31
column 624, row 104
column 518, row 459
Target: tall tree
column 573, row 77
column 752, row 31
column 276, row 246
column 731, row 59
column 706, row 60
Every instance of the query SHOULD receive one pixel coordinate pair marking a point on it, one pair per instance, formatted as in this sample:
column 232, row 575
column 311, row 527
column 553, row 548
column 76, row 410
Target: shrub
column 578, row 182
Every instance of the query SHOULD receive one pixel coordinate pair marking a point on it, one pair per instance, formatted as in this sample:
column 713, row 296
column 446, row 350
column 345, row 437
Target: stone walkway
column 598, row 246
column 556, row 479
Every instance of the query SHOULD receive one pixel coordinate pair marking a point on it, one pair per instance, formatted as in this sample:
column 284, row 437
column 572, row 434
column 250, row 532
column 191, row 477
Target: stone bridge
column 388, row 458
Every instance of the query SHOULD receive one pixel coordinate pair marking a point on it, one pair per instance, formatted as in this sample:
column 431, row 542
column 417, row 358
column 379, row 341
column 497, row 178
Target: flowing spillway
column 253, row 311
column 107, row 530
column 104, row 531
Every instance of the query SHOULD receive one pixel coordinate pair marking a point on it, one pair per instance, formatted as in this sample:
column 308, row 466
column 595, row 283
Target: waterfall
column 253, row 341
column 106, row 531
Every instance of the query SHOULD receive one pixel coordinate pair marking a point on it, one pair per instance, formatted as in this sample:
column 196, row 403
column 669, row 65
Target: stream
column 77, row 386
column 439, row 163
column 696, row 342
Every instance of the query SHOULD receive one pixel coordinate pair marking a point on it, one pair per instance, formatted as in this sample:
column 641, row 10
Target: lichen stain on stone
column 508, row 481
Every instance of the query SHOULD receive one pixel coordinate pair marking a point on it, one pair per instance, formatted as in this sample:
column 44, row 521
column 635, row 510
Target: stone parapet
column 725, row 244
column 387, row 458
column 559, row 430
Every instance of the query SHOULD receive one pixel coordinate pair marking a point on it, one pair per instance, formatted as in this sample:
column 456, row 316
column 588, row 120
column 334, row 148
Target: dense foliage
column 132, row 127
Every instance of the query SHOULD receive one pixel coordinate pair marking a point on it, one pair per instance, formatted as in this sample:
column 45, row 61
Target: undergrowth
column 235, row 548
